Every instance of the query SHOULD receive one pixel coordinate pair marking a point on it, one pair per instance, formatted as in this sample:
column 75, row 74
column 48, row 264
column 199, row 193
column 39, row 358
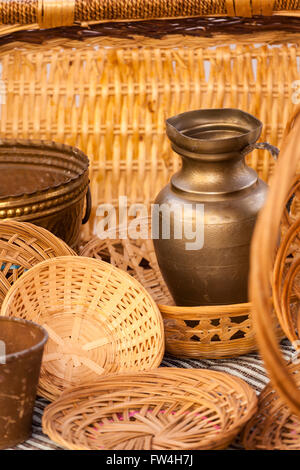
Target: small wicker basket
column 160, row 409
column 99, row 319
column 23, row 245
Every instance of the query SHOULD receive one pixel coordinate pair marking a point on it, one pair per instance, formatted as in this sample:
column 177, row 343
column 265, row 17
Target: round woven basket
column 274, row 426
column 160, row 409
column 23, row 245
column 211, row 332
column 99, row 319
column 276, row 269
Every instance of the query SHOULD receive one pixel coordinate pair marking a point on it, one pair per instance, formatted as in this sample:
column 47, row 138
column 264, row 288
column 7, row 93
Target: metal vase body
column 214, row 175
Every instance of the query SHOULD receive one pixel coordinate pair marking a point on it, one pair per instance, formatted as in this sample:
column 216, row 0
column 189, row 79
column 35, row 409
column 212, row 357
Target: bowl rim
column 25, row 352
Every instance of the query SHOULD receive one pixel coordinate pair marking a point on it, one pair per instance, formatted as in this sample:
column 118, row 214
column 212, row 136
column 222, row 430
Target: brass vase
column 216, row 180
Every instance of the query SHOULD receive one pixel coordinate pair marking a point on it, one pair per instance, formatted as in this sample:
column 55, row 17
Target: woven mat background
column 249, row 367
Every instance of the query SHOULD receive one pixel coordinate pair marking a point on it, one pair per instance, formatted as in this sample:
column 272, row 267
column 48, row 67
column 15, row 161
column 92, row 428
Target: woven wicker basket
column 160, row 409
column 274, row 426
column 285, row 279
column 99, row 319
column 106, row 86
column 211, row 332
column 23, row 245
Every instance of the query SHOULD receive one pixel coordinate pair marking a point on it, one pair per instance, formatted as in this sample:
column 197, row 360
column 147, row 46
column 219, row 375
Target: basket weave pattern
column 66, row 12
column 23, row 245
column 273, row 427
column 160, row 409
column 99, row 320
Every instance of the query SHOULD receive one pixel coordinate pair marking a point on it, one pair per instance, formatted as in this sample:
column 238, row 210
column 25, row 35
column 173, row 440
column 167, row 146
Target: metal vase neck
column 212, row 144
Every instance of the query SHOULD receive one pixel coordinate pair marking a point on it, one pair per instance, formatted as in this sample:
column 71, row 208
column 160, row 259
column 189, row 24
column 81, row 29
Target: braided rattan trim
column 52, row 13
column 159, row 409
column 99, row 319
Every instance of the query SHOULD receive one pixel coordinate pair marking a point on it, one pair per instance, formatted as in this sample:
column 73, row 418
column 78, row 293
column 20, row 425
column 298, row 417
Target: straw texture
column 160, row 409
column 211, row 332
column 273, row 427
column 99, row 319
column 264, row 247
column 23, row 245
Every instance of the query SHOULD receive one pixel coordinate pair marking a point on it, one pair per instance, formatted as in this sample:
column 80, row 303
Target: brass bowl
column 44, row 183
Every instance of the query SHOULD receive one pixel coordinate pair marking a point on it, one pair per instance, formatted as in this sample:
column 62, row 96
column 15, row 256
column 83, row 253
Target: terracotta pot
column 45, row 183
column 215, row 179
column 21, row 349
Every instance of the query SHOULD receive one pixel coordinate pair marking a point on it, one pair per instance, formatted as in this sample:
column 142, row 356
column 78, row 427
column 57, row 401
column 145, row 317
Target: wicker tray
column 160, row 409
column 99, row 319
column 23, row 245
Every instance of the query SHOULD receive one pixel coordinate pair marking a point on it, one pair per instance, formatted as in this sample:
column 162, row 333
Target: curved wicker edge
column 273, row 427
column 35, row 244
column 192, row 385
column 61, row 12
column 263, row 248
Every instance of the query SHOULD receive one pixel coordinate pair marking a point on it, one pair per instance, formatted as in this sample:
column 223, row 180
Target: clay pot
column 21, row 349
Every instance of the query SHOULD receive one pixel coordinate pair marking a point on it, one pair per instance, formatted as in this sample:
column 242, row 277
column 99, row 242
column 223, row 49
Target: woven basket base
column 160, row 409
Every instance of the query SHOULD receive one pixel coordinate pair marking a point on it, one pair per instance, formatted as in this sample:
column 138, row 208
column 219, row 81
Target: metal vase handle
column 274, row 151
column 88, row 207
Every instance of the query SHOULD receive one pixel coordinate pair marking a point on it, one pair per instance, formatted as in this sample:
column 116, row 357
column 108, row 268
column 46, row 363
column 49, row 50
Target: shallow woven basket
column 23, row 245
column 274, row 426
column 283, row 261
column 211, row 332
column 161, row 409
column 99, row 319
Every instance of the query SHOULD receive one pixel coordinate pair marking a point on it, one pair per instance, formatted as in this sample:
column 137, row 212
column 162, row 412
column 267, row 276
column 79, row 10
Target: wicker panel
column 112, row 103
column 274, row 426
